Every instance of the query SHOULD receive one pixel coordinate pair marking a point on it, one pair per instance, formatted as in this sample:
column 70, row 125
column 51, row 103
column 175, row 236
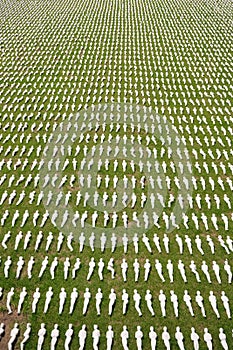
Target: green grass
column 37, row 37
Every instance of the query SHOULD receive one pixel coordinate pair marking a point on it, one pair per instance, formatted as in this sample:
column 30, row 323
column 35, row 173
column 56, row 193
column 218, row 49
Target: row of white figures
column 169, row 220
column 94, row 200
column 226, row 244
column 112, row 297
column 107, row 135
column 129, row 182
column 109, row 335
column 105, row 129
column 100, row 265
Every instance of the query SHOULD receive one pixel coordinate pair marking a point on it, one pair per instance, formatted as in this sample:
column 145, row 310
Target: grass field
column 60, row 57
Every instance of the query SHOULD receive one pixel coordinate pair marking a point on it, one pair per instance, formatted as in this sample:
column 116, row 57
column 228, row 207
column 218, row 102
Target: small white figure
column 68, row 334
column 125, row 300
column 73, row 298
column 98, row 298
column 153, row 338
column 124, row 338
column 195, row 338
column 62, row 299
column 162, row 300
column 199, row 301
column 100, row 269
column 10, row 294
column 170, row 270
column 36, row 297
column 179, row 338
column 13, row 335
column 138, row 337
column 87, row 296
column 95, row 337
column 49, row 295
column 137, row 300
column 166, row 338
column 82, row 334
column 213, row 303
column 148, row 299
column 22, row 296
column 208, row 339
column 223, row 339
column 109, row 337
column 91, row 268
column 187, row 299
column 225, row 301
column 54, row 337
column 26, row 336
column 76, row 267
column 112, row 300
column 174, row 300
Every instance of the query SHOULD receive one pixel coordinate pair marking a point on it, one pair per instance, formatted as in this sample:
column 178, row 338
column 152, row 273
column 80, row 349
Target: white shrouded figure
column 68, row 335
column 62, row 299
column 31, row 262
column 36, row 298
column 43, row 266
column 135, row 242
column 87, row 296
column 148, row 299
column 100, row 269
column 153, row 338
column 136, row 267
column 91, row 268
column 223, row 339
column 213, row 303
column 147, row 267
column 22, row 296
column 76, row 267
column 193, row 268
column 125, row 300
column 7, row 265
column 159, row 269
column 13, row 335
column 174, row 300
column 124, row 338
column 199, row 301
column 54, row 337
column 110, row 267
column 109, row 337
column 166, row 338
column 66, row 268
column 137, row 300
column 170, row 269
column 95, row 337
column 112, row 300
column 10, row 294
column 26, row 336
column 179, row 338
column 162, row 300
column 187, row 299
column 82, row 334
column 225, row 301
column 208, row 339
column 20, row 264
column 73, row 298
column 98, row 298
column 195, row 338
column 2, row 330
column 124, row 268
column 138, row 336
column 49, row 295
column 53, row 267
column 205, row 270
